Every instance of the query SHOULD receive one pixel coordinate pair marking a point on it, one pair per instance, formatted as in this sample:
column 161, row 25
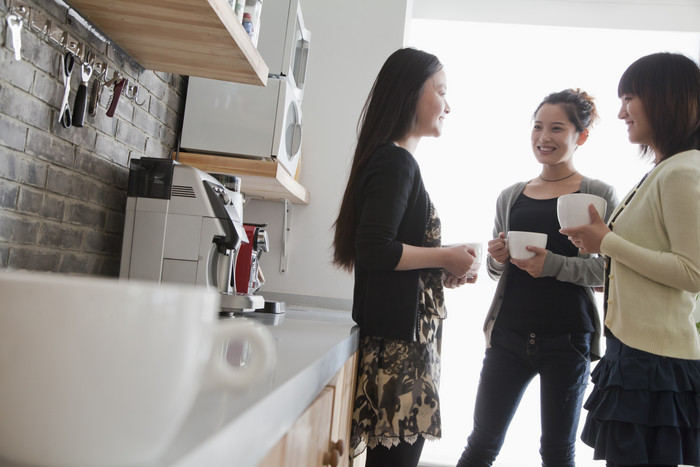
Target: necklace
column 559, row 179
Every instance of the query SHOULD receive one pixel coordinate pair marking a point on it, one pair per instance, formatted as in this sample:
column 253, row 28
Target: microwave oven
column 242, row 120
column 223, row 118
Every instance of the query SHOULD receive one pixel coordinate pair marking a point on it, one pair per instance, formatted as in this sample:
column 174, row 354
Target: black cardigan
column 392, row 209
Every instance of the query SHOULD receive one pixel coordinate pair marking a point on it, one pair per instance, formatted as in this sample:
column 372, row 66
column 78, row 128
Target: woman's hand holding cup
column 452, row 282
column 497, row 248
column 460, row 259
column 588, row 237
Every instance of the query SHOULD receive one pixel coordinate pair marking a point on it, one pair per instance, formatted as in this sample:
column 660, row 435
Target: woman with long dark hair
column 388, row 232
column 645, row 406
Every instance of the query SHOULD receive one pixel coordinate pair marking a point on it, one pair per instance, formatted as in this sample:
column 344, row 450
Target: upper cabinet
column 187, row 37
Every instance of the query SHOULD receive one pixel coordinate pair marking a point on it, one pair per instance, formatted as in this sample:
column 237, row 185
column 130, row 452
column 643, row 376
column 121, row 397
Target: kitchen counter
column 237, row 428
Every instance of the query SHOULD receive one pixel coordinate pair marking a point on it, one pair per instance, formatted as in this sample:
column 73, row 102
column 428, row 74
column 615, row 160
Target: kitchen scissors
column 67, row 63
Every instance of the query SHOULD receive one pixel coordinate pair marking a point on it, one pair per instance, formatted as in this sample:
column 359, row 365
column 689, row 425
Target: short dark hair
column 668, row 85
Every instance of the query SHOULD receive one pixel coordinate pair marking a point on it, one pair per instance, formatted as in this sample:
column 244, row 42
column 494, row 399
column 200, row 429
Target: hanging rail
column 20, row 15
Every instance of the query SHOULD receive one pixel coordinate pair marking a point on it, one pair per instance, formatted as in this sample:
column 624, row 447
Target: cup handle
column 262, row 346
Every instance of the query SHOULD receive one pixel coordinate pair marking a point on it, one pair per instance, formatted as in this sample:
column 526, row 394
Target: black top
column 543, row 304
column 393, row 208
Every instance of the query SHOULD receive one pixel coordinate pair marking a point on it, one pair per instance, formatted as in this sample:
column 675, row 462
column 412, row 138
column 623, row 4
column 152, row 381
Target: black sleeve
column 387, row 187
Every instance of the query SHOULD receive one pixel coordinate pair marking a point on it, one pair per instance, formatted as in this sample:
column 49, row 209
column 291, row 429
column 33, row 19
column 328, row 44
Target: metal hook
column 116, row 76
column 132, row 92
column 40, row 23
column 136, row 95
column 19, row 9
column 100, row 71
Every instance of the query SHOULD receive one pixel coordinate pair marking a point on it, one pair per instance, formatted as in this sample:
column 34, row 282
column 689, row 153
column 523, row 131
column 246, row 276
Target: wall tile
column 13, row 134
column 8, row 195
column 33, row 259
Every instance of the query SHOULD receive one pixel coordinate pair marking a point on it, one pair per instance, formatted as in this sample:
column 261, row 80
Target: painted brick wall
column 63, row 191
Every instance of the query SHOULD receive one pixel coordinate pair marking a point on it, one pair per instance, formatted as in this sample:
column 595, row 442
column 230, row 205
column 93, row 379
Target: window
column 497, row 74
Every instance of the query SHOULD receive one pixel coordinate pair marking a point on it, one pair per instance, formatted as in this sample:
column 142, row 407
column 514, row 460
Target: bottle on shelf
column 248, row 25
column 253, row 8
column 238, row 8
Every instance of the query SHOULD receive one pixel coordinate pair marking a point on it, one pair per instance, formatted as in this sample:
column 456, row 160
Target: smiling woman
column 497, row 75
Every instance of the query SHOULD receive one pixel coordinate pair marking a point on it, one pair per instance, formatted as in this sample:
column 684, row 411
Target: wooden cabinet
column 344, row 397
column 187, row 37
column 321, row 435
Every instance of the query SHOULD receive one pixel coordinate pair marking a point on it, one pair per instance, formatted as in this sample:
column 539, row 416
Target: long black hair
column 389, row 114
column 668, row 85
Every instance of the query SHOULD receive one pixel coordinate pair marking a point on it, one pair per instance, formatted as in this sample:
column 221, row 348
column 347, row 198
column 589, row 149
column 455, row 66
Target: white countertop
column 236, row 428
column 228, row 427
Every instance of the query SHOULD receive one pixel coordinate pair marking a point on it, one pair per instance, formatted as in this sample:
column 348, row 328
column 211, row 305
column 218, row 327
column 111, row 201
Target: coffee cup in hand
column 478, row 256
column 572, row 209
column 517, row 241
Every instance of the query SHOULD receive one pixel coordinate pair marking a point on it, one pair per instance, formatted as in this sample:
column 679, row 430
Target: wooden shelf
column 187, row 37
column 266, row 179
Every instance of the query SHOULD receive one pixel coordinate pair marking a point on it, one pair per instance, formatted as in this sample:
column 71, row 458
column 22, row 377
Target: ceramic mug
column 478, row 249
column 516, row 242
column 572, row 209
column 102, row 372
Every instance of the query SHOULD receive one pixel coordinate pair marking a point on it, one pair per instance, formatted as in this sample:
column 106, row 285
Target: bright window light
column 497, row 74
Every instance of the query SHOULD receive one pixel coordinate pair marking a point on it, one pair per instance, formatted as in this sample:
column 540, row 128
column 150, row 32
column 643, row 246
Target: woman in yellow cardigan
column 645, row 405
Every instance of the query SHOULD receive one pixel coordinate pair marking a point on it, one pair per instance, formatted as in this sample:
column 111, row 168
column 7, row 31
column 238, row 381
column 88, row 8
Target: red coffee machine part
column 248, row 258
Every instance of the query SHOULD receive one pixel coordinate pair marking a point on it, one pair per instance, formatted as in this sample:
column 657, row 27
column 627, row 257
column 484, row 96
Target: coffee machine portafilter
column 183, row 225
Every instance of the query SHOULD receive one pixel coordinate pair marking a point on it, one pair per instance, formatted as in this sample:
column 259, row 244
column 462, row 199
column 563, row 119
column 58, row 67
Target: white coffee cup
column 517, row 241
column 479, row 250
column 102, row 372
column 572, row 209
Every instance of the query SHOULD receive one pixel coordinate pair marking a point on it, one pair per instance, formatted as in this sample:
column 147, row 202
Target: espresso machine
column 185, row 226
column 249, row 276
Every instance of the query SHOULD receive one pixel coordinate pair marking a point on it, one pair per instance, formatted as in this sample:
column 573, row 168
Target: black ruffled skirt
column 644, row 408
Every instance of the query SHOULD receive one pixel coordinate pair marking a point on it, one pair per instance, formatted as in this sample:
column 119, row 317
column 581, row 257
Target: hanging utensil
column 100, row 70
column 67, row 62
column 95, row 93
column 14, row 22
column 79, row 106
column 118, row 88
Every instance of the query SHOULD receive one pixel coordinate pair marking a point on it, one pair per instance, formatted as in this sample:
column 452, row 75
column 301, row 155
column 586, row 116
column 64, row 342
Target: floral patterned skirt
column 397, row 389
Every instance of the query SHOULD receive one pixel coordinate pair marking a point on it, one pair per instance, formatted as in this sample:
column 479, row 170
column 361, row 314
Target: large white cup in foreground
column 572, row 209
column 100, row 372
column 518, row 240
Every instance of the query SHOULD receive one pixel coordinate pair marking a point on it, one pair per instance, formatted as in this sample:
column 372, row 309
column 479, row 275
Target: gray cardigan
column 585, row 270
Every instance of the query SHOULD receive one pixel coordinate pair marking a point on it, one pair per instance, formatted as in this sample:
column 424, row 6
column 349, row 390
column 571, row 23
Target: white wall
column 349, row 43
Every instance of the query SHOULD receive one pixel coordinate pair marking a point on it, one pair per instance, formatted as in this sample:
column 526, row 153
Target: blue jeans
column 563, row 363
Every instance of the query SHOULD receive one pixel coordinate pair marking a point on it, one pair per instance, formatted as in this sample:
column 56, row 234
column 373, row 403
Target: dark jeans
column 402, row 455
column 563, row 363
